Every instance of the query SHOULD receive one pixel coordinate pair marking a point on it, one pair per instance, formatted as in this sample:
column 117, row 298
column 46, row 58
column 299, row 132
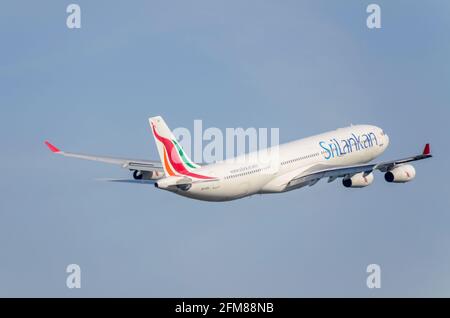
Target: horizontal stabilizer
column 128, row 181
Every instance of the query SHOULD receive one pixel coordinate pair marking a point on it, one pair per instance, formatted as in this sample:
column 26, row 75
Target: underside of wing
column 362, row 173
column 311, row 178
column 388, row 165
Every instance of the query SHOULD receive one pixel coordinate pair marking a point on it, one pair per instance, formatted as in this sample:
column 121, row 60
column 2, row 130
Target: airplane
column 343, row 153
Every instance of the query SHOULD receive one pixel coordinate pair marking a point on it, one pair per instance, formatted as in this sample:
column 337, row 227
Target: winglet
column 426, row 150
column 51, row 147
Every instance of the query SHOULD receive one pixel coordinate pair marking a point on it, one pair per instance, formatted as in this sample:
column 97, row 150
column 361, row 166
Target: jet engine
column 400, row 174
column 358, row 180
column 146, row 175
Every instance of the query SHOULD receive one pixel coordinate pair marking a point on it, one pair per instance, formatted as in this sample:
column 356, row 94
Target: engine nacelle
column 358, row 180
column 400, row 174
column 146, row 175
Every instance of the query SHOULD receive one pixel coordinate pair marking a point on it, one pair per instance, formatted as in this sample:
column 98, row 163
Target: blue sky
column 303, row 66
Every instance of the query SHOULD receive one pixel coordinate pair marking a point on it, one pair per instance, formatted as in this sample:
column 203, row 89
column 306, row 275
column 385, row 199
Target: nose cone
column 386, row 140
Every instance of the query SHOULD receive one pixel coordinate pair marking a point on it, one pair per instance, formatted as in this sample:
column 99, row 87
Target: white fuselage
column 271, row 170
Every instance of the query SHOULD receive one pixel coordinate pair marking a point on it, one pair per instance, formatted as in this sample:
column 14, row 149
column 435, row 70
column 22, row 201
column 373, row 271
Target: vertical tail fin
column 174, row 159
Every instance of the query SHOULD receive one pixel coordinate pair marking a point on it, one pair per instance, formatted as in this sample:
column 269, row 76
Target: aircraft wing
column 131, row 164
column 311, row 177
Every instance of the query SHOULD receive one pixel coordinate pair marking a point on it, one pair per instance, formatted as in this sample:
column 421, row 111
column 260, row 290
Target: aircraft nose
column 386, row 140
